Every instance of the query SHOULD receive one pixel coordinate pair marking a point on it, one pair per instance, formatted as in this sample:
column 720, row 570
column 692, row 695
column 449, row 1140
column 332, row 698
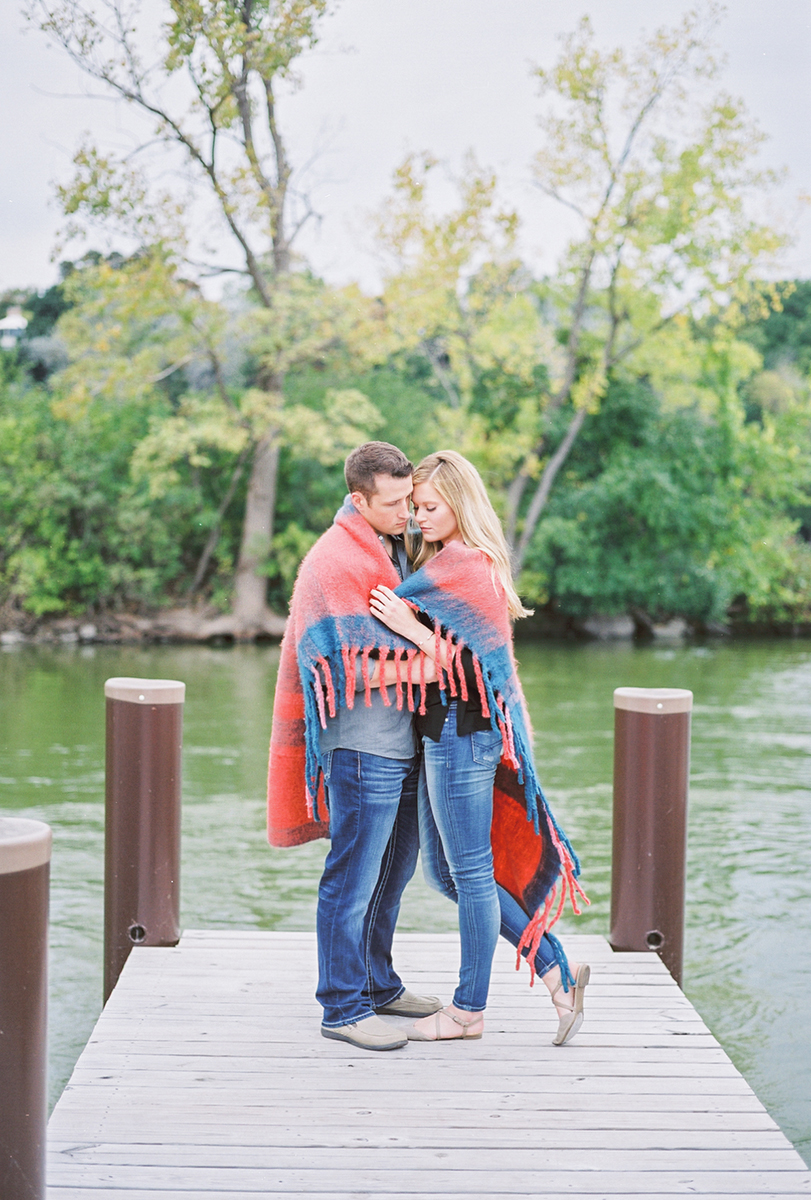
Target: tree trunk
column 545, row 486
column 250, row 604
column 214, row 536
column 515, row 495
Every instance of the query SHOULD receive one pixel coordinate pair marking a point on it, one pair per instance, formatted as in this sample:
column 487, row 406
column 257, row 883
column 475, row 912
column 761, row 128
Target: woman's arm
column 390, row 672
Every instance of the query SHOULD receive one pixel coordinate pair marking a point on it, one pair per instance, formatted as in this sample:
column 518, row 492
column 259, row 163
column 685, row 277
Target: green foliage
column 673, row 512
column 76, row 533
column 668, row 510
column 783, row 338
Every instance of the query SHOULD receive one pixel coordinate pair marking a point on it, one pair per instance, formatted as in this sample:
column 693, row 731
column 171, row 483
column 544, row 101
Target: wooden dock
column 206, row 1078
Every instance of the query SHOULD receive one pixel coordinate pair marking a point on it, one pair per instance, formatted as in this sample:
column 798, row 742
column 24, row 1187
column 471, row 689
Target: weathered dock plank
column 206, row 1077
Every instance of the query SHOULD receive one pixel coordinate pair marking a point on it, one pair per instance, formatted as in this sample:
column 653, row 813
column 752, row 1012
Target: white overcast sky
column 394, row 75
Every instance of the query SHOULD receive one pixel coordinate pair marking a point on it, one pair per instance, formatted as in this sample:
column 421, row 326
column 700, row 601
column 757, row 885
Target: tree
column 140, row 336
column 659, row 184
column 668, row 510
column 211, row 89
column 457, row 297
column 75, row 533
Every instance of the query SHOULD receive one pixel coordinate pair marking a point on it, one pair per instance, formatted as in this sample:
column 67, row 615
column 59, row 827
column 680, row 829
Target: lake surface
column 748, row 940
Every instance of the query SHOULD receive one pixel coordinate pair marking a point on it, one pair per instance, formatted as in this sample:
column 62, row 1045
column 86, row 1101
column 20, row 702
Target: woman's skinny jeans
column 455, row 813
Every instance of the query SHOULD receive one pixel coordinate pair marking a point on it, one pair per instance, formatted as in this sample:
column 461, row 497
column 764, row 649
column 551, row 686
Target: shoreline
column 203, row 626
column 173, row 626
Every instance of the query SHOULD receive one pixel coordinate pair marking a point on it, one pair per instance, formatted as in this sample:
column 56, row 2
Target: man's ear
column 358, row 499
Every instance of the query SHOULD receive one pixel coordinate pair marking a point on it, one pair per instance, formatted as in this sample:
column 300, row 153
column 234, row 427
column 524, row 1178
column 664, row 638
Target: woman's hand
column 395, row 613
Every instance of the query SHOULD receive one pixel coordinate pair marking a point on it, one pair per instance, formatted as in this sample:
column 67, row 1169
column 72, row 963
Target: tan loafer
column 369, row 1034
column 409, row 1005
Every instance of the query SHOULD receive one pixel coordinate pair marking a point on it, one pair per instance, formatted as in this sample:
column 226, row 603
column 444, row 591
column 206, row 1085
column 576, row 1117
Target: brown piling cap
column 23, row 844
column 145, row 691
column 653, row 700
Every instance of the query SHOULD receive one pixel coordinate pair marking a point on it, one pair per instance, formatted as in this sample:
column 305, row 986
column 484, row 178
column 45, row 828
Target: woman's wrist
column 426, row 641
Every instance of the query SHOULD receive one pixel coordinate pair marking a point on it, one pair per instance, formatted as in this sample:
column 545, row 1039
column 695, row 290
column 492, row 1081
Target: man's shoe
column 409, row 1005
column 369, row 1034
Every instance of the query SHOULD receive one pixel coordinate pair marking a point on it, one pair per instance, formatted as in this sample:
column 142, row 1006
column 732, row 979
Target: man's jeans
column 372, row 805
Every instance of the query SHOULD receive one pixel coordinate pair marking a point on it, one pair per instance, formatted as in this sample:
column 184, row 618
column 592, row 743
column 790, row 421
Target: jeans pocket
column 326, row 764
column 486, row 747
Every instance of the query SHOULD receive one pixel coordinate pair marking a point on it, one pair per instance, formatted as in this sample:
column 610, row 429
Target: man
column 367, row 752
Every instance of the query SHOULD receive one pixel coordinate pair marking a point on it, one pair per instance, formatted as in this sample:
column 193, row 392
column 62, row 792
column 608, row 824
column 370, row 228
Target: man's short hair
column 374, row 458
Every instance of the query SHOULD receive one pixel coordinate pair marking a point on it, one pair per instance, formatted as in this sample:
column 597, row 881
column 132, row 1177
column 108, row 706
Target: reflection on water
column 747, row 959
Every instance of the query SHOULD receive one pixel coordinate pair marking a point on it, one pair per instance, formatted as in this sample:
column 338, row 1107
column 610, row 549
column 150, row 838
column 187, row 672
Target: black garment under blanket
column 469, row 718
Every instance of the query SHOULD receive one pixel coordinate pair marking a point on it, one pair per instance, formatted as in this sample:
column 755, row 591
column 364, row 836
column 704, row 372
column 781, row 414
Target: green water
column 748, row 955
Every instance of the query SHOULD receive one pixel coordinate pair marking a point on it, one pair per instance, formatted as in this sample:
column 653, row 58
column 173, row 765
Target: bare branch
column 441, row 374
column 211, row 270
column 554, row 194
column 171, row 370
column 545, row 486
column 281, row 245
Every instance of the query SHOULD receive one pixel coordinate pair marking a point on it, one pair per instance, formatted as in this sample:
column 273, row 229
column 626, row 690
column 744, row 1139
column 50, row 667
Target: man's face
column 387, row 509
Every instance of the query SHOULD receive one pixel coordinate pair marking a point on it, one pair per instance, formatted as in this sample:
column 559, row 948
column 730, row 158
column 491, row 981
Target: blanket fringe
column 384, row 691
column 460, row 645
column 325, row 667
column 566, row 976
column 545, row 918
column 423, row 685
column 507, row 734
column 440, row 674
column 410, row 656
column 354, row 651
column 450, row 650
column 477, row 667
column 318, row 688
column 364, row 670
column 349, row 678
column 531, row 937
column 398, row 673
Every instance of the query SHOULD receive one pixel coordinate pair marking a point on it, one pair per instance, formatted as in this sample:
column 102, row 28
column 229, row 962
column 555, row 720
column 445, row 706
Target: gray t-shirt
column 379, row 730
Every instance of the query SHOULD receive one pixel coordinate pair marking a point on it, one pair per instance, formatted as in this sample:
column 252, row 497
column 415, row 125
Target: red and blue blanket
column 331, row 629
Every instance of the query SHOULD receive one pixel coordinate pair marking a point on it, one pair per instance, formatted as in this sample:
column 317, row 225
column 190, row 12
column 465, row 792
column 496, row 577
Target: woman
column 468, row 721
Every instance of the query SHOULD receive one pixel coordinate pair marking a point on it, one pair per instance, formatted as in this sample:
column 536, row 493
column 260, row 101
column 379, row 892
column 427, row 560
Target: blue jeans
column 456, row 813
column 372, row 804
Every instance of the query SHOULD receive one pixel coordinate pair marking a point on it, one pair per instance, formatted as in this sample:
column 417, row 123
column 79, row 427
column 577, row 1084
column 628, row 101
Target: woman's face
column 435, row 517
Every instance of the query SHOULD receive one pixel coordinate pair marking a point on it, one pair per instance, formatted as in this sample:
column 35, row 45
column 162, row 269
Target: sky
column 389, row 76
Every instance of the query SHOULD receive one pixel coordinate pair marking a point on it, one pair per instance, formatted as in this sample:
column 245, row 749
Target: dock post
column 651, row 776
column 142, row 818
column 25, row 862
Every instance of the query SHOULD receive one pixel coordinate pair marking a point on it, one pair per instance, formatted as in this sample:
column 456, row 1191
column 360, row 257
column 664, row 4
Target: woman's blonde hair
column 460, row 486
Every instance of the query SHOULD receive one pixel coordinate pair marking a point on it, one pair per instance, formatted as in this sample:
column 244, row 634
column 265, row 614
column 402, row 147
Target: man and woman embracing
column 398, row 725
